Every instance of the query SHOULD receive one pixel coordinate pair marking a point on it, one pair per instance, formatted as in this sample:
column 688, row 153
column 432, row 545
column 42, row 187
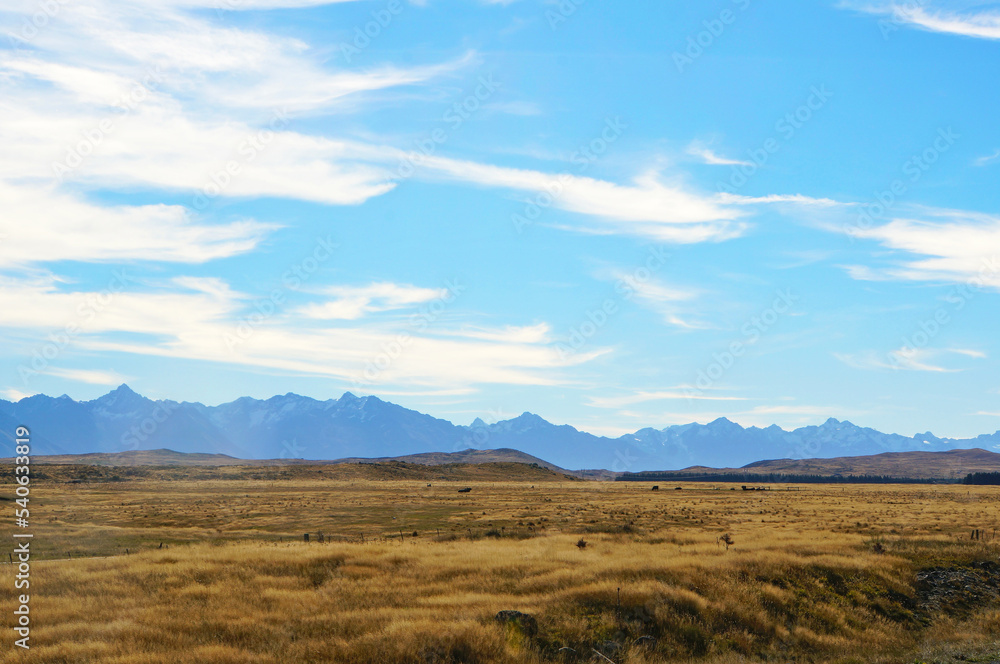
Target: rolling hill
column 950, row 465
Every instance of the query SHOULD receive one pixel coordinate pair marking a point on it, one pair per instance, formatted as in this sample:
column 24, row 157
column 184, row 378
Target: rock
column 567, row 654
column 523, row 621
column 646, row 642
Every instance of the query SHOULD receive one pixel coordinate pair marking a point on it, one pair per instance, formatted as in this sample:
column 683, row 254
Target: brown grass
column 237, row 584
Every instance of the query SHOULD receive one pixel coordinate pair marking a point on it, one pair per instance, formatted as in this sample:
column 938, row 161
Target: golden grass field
column 412, row 573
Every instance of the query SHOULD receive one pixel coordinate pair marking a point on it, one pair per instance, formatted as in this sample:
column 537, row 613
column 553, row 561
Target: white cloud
column 794, row 199
column 12, row 394
column 977, row 23
column 821, row 411
column 203, row 319
column 983, row 25
column 161, row 144
column 196, row 124
column 906, row 358
column 648, row 208
column 92, row 377
column 42, row 224
column 987, row 159
column 352, row 302
column 642, row 397
column 968, row 352
column 963, row 249
column 158, row 98
column 530, row 334
column 660, row 297
column 711, row 158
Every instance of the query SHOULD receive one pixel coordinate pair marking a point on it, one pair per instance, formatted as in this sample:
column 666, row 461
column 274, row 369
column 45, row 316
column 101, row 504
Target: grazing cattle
column 656, row 487
column 467, row 489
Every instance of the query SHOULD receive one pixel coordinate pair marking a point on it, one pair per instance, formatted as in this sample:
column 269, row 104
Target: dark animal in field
column 467, row 489
column 656, row 488
column 526, row 623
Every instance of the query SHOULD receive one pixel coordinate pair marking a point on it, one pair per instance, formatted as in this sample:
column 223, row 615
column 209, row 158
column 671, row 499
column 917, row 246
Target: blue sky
column 610, row 214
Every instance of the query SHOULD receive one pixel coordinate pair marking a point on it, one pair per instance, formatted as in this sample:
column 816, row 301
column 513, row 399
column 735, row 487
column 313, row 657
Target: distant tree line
column 982, row 478
column 776, row 478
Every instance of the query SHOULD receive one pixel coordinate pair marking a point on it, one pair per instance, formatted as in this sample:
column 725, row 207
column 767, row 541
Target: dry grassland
column 412, row 573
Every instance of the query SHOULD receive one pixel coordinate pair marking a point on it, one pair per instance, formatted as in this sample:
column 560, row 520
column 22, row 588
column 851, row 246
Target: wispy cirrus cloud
column 708, row 156
column 657, row 395
column 353, row 302
column 671, row 302
column 982, row 25
column 43, row 224
column 176, row 140
column 150, row 96
column 197, row 318
column 648, row 207
column 89, row 376
column 955, row 247
column 907, row 358
column 978, row 23
column 986, row 160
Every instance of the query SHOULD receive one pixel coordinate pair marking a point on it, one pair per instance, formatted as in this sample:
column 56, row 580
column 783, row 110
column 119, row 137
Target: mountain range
column 296, row 427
